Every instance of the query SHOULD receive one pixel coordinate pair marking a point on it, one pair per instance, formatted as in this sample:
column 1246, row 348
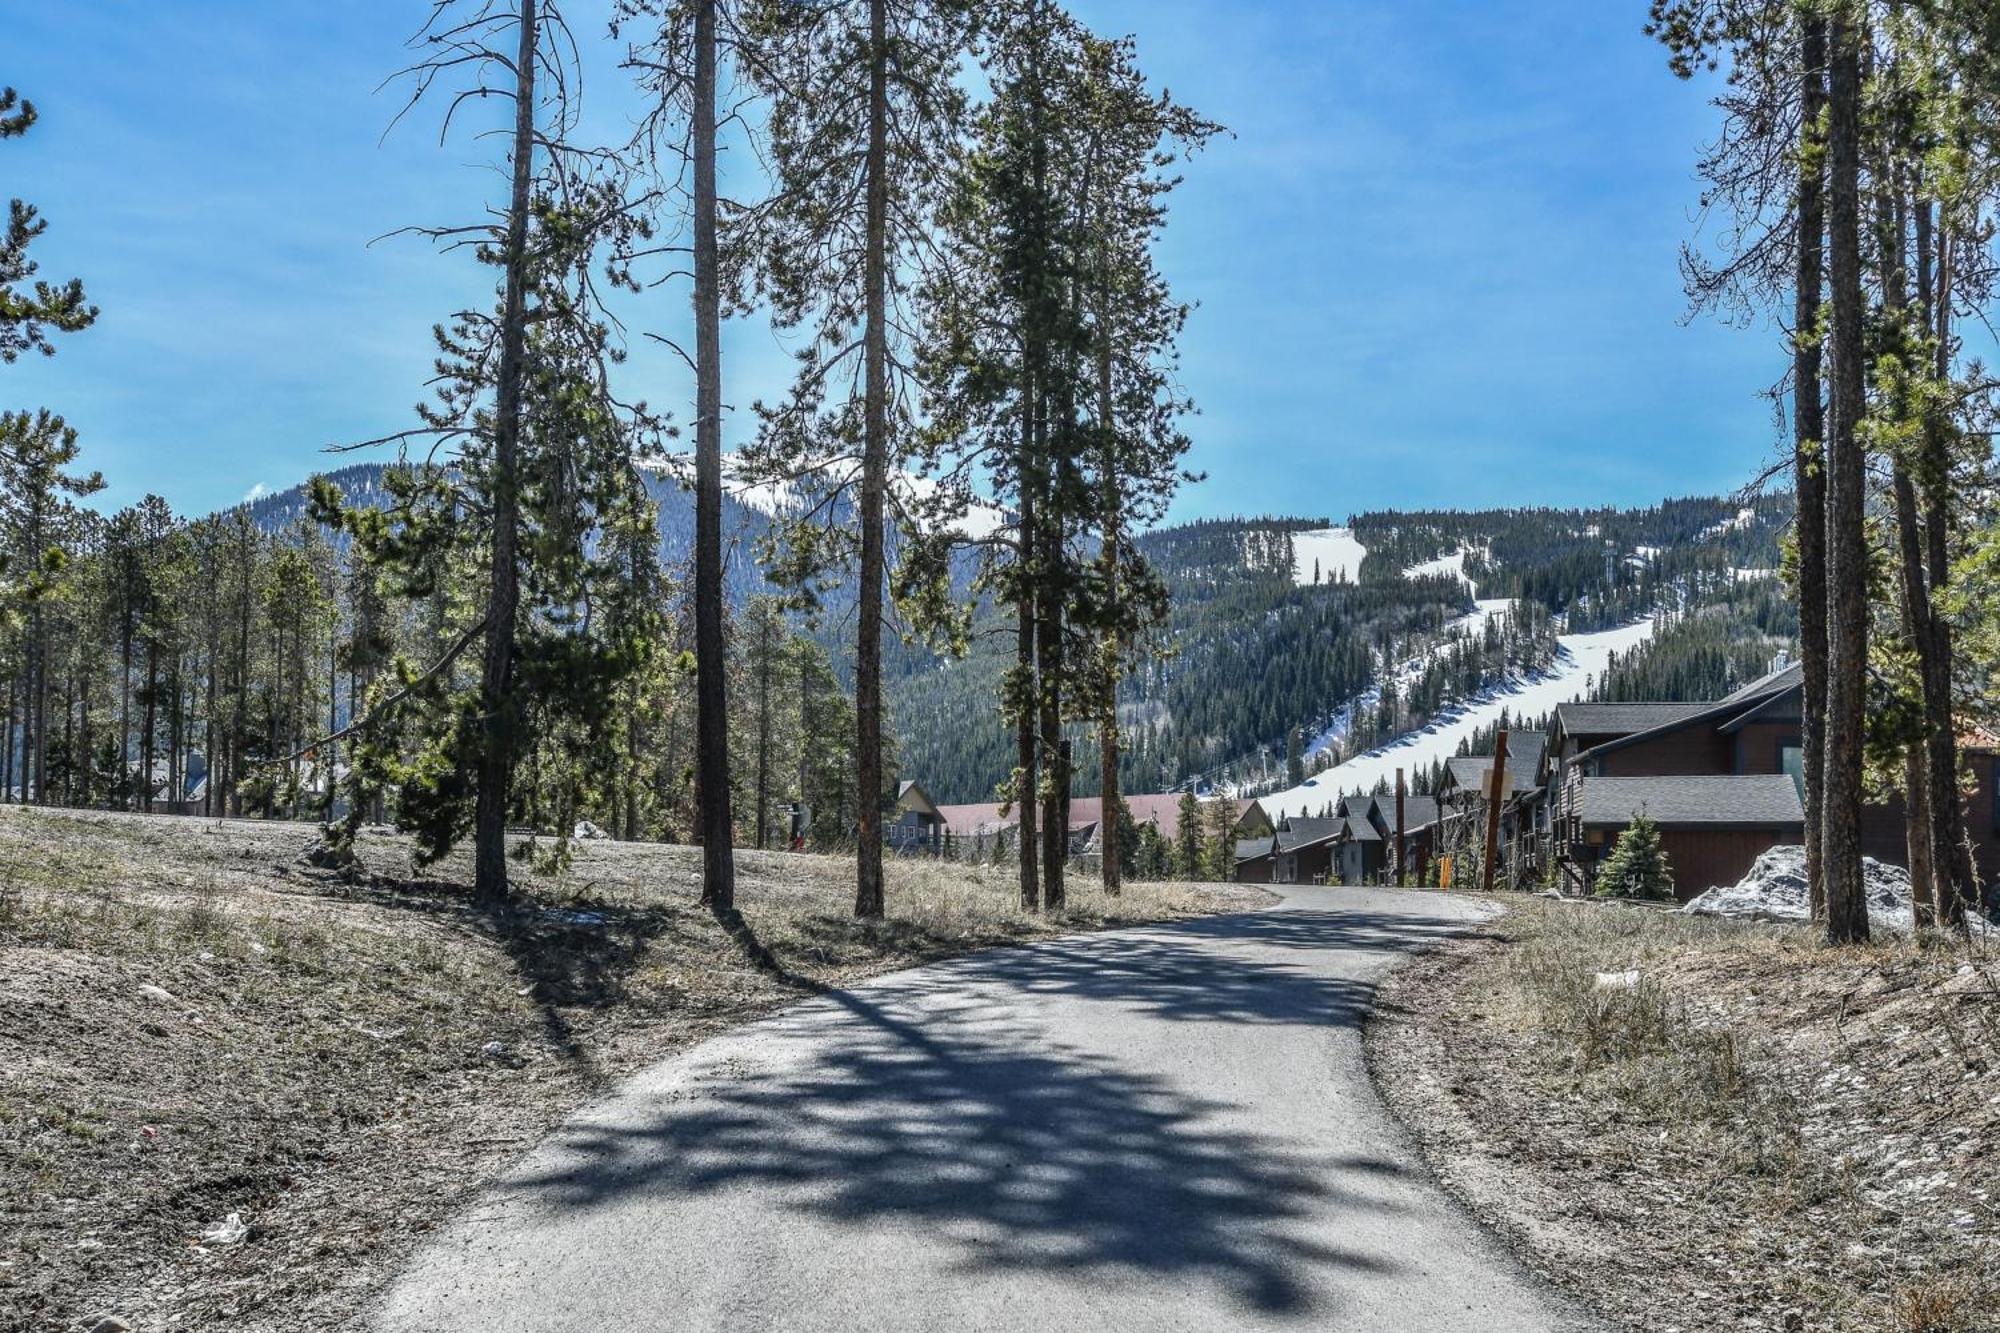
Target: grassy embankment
column 1762, row 1133
column 194, row 1024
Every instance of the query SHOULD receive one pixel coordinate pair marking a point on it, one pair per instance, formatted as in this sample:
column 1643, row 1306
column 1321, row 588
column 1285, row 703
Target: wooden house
column 1256, row 859
column 918, row 826
column 1466, row 794
column 1739, row 743
column 1303, row 850
column 1366, row 853
column 1712, row 826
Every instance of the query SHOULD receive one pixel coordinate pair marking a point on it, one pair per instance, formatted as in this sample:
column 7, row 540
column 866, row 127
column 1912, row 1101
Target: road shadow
column 929, row 1102
column 1178, row 973
column 1018, row 1157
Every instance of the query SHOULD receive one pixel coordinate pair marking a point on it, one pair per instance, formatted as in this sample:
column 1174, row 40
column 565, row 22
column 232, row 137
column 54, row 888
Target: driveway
column 1161, row 1128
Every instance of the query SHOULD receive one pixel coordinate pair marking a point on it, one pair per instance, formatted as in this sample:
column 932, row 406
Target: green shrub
column 1637, row 867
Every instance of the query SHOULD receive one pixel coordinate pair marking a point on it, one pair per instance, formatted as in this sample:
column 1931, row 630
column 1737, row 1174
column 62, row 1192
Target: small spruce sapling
column 1637, row 867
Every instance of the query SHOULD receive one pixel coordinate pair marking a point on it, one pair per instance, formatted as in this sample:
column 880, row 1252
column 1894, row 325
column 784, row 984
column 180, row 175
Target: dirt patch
column 1755, row 1132
column 195, row 1025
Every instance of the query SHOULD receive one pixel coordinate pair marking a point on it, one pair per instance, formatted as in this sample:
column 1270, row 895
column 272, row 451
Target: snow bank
column 1334, row 552
column 1775, row 890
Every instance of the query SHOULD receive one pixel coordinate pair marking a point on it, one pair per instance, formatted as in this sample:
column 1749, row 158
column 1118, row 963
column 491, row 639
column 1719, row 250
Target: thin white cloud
column 256, row 492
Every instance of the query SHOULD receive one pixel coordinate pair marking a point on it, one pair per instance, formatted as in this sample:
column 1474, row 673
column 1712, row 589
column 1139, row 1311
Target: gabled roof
column 1418, row 810
column 911, row 796
column 1763, row 800
column 1762, row 695
column 1470, row 772
column 1622, row 719
column 1249, row 849
column 1298, row 832
column 1775, row 681
column 1360, row 830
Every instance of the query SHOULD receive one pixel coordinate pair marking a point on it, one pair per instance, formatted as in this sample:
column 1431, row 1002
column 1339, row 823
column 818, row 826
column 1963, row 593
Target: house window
column 1792, row 762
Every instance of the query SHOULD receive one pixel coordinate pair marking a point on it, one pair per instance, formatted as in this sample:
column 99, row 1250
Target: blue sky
column 1436, row 265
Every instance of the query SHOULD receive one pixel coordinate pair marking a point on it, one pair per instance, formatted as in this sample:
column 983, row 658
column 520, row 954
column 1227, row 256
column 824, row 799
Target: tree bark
column 763, row 730
column 1113, row 520
column 1808, row 453
column 1913, row 595
column 874, row 481
column 718, row 861
column 1048, row 672
column 1846, row 543
column 1027, row 776
column 1951, row 860
column 496, row 759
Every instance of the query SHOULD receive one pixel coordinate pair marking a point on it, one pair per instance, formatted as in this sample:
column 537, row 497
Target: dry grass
column 193, row 1025
column 1762, row 1133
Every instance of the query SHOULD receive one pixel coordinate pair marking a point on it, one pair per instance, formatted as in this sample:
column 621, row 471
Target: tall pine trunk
column 1027, row 776
column 718, row 860
column 763, row 731
column 1808, row 456
column 496, row 758
column 1113, row 519
column 874, row 482
column 1951, row 860
column 1913, row 594
column 1846, row 540
column 1048, row 673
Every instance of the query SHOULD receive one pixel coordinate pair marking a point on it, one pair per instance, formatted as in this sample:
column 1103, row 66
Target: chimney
column 1781, row 661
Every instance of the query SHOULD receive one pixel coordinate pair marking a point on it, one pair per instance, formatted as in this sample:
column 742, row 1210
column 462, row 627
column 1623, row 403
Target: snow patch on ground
column 1580, row 658
column 1445, row 566
column 1744, row 518
column 1335, row 552
column 1776, row 890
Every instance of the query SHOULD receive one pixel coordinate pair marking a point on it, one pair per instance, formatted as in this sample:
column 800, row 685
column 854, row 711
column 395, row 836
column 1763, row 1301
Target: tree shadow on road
column 931, row 1103
column 1177, row 973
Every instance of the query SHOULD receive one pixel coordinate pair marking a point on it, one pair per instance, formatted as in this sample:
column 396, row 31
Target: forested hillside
column 1370, row 658
column 1260, row 659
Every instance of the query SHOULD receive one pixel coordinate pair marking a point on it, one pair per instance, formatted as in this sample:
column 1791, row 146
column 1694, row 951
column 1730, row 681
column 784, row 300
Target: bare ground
column 1763, row 1133
column 194, row 1024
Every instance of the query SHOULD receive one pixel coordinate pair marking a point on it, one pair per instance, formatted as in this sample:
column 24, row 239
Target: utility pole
column 1402, row 837
column 1493, row 810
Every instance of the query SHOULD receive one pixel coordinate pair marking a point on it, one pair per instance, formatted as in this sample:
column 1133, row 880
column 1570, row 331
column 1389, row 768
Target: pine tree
column 1188, row 842
column 29, row 316
column 866, row 111
column 1637, row 866
column 502, row 543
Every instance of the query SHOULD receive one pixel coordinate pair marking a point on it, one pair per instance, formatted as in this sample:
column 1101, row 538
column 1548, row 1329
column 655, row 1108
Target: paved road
column 1162, row 1128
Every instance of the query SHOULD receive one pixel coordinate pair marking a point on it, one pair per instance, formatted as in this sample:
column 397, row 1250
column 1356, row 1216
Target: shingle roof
column 1249, row 849
column 1469, row 771
column 1771, row 682
column 1622, row 719
column 1752, row 801
column 1361, row 830
column 1302, row 832
column 1418, row 810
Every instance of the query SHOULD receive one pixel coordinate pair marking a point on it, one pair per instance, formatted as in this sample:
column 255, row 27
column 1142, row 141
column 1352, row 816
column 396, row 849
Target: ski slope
column 1579, row 657
column 1334, row 552
column 1445, row 566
